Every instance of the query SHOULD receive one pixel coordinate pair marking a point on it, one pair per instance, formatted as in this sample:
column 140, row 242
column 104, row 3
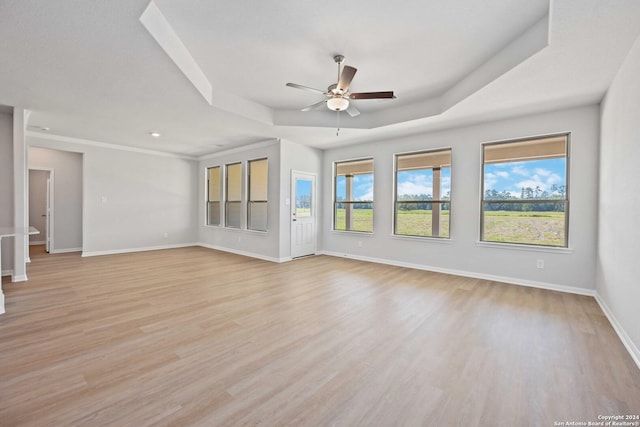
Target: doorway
column 303, row 214
column 41, row 206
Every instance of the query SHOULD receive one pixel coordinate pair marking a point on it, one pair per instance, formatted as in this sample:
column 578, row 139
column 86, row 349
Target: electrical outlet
column 359, row 243
column 540, row 263
column 166, row 235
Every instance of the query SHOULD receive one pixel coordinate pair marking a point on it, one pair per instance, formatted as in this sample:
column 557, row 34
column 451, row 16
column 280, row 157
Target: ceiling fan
column 338, row 96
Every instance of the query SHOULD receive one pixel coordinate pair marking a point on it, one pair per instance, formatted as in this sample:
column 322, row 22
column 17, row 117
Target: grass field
column 541, row 228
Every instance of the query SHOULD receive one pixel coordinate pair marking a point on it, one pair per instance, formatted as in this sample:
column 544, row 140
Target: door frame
column 314, row 204
column 49, row 234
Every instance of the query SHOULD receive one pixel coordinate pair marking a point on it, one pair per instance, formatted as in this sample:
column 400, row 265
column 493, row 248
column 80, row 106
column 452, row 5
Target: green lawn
column 418, row 223
column 362, row 220
column 412, row 223
column 541, row 228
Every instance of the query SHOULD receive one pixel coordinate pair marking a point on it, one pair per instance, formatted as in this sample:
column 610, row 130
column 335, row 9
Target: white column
column 1, row 293
column 348, row 207
column 20, row 193
column 435, row 207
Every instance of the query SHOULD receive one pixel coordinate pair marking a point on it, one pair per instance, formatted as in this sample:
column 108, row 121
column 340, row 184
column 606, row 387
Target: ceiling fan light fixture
column 338, row 103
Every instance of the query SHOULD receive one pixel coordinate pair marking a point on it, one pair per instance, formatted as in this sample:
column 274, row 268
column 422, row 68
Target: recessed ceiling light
column 155, row 134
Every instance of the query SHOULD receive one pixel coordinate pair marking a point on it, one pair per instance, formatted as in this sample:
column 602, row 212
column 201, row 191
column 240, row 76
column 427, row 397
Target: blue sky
column 512, row 177
column 409, row 182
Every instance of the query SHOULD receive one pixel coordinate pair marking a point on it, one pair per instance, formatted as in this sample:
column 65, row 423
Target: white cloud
column 408, row 187
column 490, row 180
column 553, row 178
column 542, row 172
column 519, row 170
column 502, row 174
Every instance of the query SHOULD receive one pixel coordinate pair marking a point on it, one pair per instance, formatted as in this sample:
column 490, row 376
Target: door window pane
column 303, row 198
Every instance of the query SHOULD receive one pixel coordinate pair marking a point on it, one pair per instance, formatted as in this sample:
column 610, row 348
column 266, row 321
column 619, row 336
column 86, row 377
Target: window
column 233, row 195
column 353, row 196
column 423, row 193
column 525, row 192
column 258, row 188
column 213, row 195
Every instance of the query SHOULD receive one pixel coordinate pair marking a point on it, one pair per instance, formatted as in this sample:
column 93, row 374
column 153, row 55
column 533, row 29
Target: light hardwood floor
column 199, row 337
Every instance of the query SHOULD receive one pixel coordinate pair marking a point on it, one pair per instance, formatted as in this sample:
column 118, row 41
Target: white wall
column 302, row 159
column 618, row 269
column 132, row 199
column 67, row 191
column 254, row 243
column 568, row 270
column 6, row 187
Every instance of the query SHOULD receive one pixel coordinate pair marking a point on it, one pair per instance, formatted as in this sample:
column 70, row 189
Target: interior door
column 303, row 214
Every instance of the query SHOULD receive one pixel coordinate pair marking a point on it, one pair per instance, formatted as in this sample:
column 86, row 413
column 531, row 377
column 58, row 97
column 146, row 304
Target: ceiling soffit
column 530, row 41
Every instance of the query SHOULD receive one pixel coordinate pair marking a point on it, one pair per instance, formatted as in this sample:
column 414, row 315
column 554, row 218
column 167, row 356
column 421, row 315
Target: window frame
column 440, row 201
column 352, row 202
column 208, row 200
column 250, row 202
column 226, row 195
column 566, row 200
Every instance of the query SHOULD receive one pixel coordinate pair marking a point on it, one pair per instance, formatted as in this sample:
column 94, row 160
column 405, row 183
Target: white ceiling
column 91, row 69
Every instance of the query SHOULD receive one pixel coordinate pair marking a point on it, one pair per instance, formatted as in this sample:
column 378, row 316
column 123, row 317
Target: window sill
column 355, row 233
column 258, row 232
column 236, row 230
column 440, row 240
column 528, row 248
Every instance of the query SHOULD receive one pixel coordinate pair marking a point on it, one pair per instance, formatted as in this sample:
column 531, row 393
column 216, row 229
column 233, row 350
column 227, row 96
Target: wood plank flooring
column 198, row 337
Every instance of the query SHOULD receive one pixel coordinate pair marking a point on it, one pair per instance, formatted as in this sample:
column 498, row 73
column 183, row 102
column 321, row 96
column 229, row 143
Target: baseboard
column 1, row 302
column 6, row 273
column 20, row 278
column 244, row 253
column 142, row 249
column 510, row 280
column 622, row 334
column 65, row 251
column 37, row 243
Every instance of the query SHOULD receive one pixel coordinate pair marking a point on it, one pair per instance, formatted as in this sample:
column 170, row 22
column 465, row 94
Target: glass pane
column 354, row 216
column 341, row 188
column 531, row 179
column 303, row 198
column 214, row 184
column 234, row 182
column 415, row 185
column 258, row 180
column 417, row 219
column 234, row 212
column 258, row 216
column 362, row 187
column 213, row 213
column 536, row 223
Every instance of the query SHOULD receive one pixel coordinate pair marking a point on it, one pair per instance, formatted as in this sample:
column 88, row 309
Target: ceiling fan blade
column 345, row 78
column 314, row 106
column 353, row 111
column 297, row 86
column 372, row 95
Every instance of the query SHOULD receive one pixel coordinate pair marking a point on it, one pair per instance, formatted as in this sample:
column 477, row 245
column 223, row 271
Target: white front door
column 303, row 214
